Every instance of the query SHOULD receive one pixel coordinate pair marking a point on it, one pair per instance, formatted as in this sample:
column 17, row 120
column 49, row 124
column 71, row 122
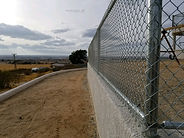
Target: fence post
column 98, row 39
column 152, row 71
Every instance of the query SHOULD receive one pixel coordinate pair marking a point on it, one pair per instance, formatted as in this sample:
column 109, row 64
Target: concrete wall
column 114, row 119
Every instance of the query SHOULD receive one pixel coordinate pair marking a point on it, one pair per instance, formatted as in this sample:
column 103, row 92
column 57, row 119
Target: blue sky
column 48, row 27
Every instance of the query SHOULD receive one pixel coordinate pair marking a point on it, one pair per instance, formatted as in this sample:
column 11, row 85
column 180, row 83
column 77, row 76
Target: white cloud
column 58, row 31
column 34, row 49
column 76, row 10
column 58, row 42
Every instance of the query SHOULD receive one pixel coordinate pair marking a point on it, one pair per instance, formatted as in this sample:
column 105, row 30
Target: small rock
column 21, row 118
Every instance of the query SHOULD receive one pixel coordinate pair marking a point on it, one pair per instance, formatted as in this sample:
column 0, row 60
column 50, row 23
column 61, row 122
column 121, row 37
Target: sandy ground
column 58, row 107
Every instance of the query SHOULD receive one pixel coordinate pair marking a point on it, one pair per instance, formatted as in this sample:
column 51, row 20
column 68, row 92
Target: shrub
column 7, row 78
column 70, row 66
column 22, row 71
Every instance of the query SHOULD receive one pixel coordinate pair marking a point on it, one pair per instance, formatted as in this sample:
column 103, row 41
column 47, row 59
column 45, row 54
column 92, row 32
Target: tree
column 78, row 56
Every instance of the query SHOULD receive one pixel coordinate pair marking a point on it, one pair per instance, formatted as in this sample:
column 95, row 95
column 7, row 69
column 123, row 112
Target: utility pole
column 14, row 60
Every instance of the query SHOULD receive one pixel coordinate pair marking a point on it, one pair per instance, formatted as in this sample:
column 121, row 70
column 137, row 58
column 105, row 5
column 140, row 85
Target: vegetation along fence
column 138, row 47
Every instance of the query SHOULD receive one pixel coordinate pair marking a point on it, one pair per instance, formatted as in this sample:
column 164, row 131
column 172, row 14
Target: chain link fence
column 138, row 48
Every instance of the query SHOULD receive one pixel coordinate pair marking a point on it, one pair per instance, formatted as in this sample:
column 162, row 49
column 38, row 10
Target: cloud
column 39, row 49
column 75, row 10
column 2, row 46
column 89, row 32
column 18, row 31
column 58, row 31
column 59, row 42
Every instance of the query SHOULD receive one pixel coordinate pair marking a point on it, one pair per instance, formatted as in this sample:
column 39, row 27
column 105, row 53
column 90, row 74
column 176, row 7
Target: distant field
column 4, row 66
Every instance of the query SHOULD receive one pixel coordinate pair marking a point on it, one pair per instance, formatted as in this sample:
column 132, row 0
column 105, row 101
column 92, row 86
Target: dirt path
column 58, row 107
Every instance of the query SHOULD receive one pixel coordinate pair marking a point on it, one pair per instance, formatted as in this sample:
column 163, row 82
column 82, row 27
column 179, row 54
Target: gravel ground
column 58, row 107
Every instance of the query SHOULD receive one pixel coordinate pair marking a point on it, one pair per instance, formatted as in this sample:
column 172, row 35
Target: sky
column 57, row 27
column 48, row 27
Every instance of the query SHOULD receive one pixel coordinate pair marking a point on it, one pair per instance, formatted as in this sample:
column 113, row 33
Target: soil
column 58, row 107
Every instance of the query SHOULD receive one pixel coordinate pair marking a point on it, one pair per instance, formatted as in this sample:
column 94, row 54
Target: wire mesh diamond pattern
column 140, row 51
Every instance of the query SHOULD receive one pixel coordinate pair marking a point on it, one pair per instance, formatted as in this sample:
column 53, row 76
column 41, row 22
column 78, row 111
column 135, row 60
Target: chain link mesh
column 123, row 52
column 93, row 52
column 171, row 77
column 123, row 49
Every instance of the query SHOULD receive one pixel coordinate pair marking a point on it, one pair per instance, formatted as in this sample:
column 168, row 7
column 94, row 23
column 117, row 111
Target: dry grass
column 23, row 77
column 30, row 77
column 4, row 66
column 171, row 91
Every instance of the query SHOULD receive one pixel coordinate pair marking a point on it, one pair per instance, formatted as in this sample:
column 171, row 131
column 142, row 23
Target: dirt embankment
column 58, row 107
